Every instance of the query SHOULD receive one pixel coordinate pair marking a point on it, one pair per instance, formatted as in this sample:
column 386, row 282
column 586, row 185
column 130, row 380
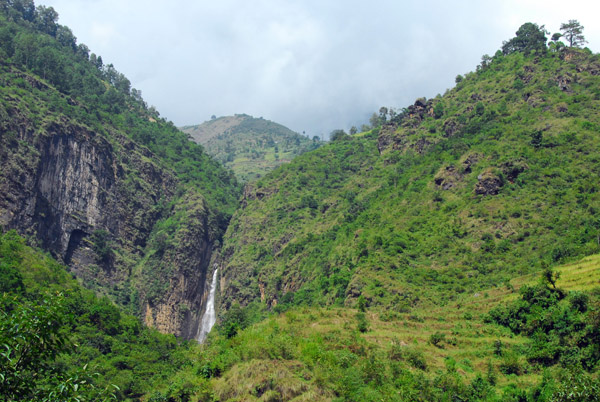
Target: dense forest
column 449, row 252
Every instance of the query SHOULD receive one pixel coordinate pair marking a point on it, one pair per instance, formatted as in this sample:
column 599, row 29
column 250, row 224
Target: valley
column 448, row 252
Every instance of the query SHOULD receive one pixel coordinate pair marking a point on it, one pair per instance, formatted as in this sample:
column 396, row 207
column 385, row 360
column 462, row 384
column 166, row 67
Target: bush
column 511, row 364
column 361, row 322
column 437, row 338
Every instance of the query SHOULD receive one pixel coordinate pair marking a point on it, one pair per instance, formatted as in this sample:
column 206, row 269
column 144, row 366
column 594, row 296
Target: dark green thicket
column 563, row 327
column 61, row 342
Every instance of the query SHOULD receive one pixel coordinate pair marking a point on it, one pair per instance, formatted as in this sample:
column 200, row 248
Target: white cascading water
column 209, row 317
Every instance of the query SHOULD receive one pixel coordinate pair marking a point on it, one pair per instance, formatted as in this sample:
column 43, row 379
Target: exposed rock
column 418, row 112
column 61, row 183
column 488, row 183
column 513, row 169
column 450, row 176
column 469, row 160
column 253, row 193
column 564, row 83
column 447, row 177
column 421, row 144
column 386, row 137
column 180, row 308
column 451, row 126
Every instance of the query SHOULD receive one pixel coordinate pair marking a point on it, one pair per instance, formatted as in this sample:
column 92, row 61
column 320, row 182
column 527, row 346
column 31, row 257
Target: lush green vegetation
column 60, row 342
column 393, row 264
column 424, row 222
column 431, row 353
column 427, row 207
column 563, row 327
column 251, row 147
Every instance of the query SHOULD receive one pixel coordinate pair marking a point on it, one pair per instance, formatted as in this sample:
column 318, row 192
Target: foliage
column 530, row 37
column 402, row 214
column 54, row 87
column 337, row 135
column 72, row 345
column 101, row 244
column 558, row 324
column 35, row 43
column 573, row 33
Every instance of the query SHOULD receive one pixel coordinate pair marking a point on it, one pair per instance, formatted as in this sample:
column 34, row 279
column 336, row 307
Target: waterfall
column 209, row 317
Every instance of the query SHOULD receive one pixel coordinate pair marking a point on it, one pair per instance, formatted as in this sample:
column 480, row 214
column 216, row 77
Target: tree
column 66, row 38
column 485, row 62
column 572, row 32
column 374, row 120
column 32, row 335
column 549, row 276
column 383, row 112
column 530, row 37
column 46, row 18
column 337, row 135
column 556, row 44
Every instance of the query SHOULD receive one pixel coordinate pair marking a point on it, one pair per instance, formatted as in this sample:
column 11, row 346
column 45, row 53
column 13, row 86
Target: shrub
column 511, row 364
column 361, row 322
column 437, row 338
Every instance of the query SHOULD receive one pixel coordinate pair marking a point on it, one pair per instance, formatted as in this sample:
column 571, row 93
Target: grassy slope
column 249, row 146
column 345, row 220
column 310, row 353
column 304, row 354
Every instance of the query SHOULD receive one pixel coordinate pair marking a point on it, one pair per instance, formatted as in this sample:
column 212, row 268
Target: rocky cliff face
column 182, row 266
column 93, row 200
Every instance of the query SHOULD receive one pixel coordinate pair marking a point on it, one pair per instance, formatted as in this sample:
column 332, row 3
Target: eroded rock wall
column 61, row 184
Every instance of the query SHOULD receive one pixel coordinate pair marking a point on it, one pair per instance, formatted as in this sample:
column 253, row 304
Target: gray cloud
column 312, row 65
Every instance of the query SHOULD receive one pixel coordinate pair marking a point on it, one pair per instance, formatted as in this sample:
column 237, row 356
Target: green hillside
column 447, row 352
column 461, row 192
column 61, row 342
column 421, row 225
column 250, row 146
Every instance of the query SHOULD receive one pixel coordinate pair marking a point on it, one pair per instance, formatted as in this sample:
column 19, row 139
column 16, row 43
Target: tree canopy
column 530, row 37
column 573, row 33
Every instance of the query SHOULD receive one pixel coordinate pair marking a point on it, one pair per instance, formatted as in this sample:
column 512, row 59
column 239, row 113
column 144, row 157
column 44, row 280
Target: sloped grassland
column 404, row 263
column 469, row 190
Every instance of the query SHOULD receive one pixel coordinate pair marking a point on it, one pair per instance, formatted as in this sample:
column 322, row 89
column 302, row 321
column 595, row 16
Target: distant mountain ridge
column 250, row 146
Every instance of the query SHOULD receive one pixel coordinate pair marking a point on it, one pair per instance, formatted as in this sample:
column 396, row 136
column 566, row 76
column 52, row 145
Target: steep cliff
column 124, row 199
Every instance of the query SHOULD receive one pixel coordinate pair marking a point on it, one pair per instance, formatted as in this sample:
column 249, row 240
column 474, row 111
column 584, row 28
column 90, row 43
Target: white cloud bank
column 311, row 65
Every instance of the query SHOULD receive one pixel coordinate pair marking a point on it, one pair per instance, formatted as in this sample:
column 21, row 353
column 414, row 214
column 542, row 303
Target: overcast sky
column 312, row 65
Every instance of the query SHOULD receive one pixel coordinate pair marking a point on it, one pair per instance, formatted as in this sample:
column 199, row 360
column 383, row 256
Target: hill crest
column 250, row 146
